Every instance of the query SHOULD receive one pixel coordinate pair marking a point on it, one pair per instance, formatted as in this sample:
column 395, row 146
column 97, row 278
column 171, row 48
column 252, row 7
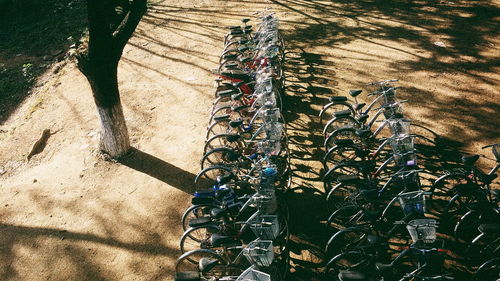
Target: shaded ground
column 69, row 215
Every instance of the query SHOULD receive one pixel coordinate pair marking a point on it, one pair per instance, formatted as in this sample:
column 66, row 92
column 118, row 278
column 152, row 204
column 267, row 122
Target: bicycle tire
column 340, row 154
column 327, row 112
column 220, row 156
column 340, row 122
column 197, row 238
column 207, row 177
column 332, row 175
column 343, row 134
column 442, row 190
column 350, row 260
column 189, row 260
column 345, row 240
column 222, row 140
column 196, row 211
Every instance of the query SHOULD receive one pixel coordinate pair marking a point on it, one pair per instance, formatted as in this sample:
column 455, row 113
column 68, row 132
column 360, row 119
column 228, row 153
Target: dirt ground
column 68, row 214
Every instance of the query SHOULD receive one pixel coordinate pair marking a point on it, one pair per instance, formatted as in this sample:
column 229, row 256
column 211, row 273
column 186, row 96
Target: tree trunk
column 109, row 32
column 102, row 77
column 114, row 135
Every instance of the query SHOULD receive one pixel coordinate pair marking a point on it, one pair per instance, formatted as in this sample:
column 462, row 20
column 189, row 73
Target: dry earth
column 67, row 214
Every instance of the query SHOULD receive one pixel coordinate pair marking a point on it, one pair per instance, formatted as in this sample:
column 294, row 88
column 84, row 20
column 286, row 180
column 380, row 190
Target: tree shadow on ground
column 159, row 169
column 33, row 35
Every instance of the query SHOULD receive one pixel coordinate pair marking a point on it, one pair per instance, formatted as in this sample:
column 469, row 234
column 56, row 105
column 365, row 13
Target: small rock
column 190, row 79
column 2, row 171
column 440, row 44
column 35, row 180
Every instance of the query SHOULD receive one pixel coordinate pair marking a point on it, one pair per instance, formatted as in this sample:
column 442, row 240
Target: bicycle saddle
column 237, row 96
column 347, row 178
column 343, row 142
column 221, row 117
column 337, row 98
column 353, row 276
column 470, row 160
column 206, row 264
column 493, row 228
column 238, row 84
column 199, row 221
column 359, row 106
column 363, row 132
column 235, row 123
column 245, row 20
column 245, row 60
column 201, row 200
column 226, row 93
column 239, row 76
column 234, row 27
column 233, row 138
column 355, row 93
column 239, row 108
column 217, row 240
column 230, row 56
column 342, row 113
column 236, row 31
column 231, row 66
column 187, row 276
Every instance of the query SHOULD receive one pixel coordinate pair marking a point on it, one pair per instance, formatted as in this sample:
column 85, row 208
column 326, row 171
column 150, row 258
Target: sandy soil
column 68, row 214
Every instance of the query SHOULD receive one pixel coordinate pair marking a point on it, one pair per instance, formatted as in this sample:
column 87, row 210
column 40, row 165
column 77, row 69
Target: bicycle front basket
column 412, row 202
column 265, row 226
column 253, row 275
column 422, row 230
column 260, row 252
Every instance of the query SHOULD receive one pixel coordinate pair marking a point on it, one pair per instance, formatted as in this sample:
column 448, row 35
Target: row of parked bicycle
column 389, row 215
column 237, row 226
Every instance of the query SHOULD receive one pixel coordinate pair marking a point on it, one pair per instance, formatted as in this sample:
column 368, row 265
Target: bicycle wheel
column 340, row 122
column 343, row 134
column 490, row 270
column 331, row 176
column 341, row 195
column 340, row 154
column 223, row 110
column 346, row 216
column 206, row 179
column 350, row 260
column 197, row 238
column 220, row 156
column 195, row 212
column 218, row 127
column 327, row 113
column 345, row 240
column 189, row 261
column 233, row 141
column 443, row 189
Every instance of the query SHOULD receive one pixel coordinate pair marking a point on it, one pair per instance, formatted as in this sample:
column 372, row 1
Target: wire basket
column 260, row 253
column 412, row 202
column 401, row 144
column 399, row 127
column 422, row 230
column 265, row 201
column 253, row 275
column 408, row 159
column 266, row 227
column 393, row 110
column 388, row 96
